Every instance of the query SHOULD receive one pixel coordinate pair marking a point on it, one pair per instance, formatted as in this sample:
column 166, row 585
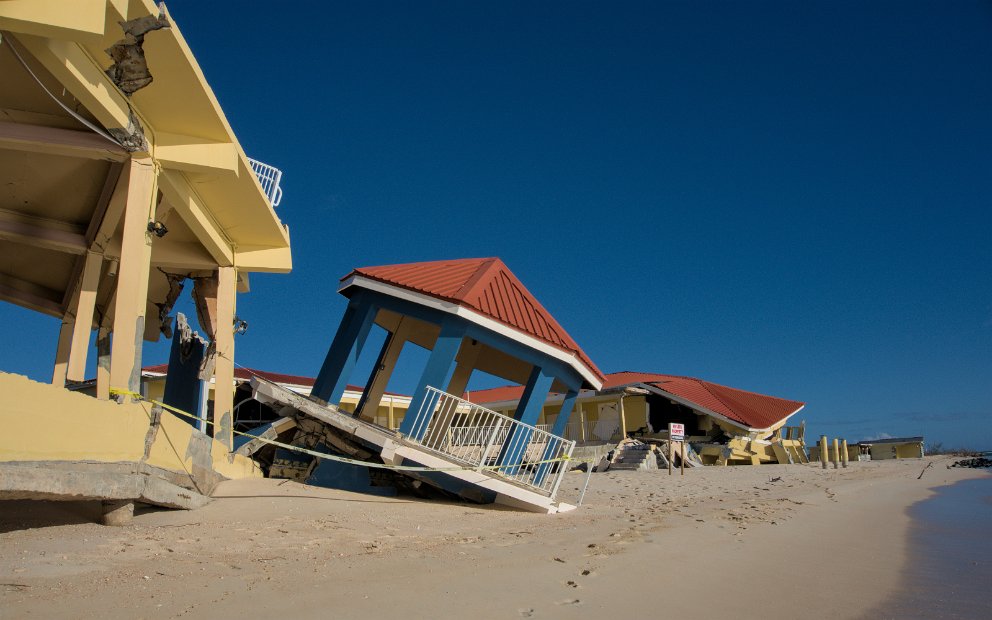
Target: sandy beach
column 738, row 540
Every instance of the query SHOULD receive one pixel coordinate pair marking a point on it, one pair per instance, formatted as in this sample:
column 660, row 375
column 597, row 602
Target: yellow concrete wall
column 41, row 422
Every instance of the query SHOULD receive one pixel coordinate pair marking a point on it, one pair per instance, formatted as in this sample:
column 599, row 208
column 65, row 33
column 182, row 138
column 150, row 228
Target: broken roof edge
column 573, row 358
column 616, row 389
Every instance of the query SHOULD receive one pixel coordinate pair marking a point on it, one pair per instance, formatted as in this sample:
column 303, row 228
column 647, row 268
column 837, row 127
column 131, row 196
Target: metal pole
column 823, row 451
column 586, row 485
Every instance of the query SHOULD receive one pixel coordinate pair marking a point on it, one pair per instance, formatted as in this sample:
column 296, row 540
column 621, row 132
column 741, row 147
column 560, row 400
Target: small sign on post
column 676, row 432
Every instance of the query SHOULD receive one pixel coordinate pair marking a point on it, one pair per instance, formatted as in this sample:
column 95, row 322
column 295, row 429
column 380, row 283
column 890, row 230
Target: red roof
column 245, row 374
column 756, row 411
column 487, row 286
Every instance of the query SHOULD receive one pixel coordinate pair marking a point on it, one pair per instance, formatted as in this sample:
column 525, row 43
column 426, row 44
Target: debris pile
column 977, row 463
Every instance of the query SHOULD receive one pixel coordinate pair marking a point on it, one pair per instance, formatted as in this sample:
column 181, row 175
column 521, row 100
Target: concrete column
column 375, row 387
column 528, row 410
column 824, row 457
column 132, row 287
column 836, row 453
column 843, row 453
column 349, row 340
column 103, row 363
column 62, row 352
column 561, row 422
column 85, row 305
column 467, row 356
column 436, row 374
column 227, row 288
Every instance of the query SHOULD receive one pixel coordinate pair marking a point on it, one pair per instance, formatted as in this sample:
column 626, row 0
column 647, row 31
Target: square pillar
column 528, row 411
column 561, row 422
column 465, row 364
column 103, row 363
column 436, row 373
column 375, row 387
column 345, row 349
column 132, row 278
column 62, row 352
column 89, row 281
column 227, row 288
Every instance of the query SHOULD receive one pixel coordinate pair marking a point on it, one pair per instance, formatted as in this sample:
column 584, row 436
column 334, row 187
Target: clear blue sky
column 786, row 197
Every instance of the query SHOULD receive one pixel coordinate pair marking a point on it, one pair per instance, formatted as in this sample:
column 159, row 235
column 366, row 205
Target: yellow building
column 122, row 181
column 730, row 426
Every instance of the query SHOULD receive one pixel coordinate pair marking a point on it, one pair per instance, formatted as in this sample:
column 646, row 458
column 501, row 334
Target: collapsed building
column 723, row 425
column 123, row 182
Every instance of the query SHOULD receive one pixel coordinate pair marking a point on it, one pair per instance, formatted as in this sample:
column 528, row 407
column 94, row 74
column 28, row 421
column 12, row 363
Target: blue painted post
column 436, row 374
column 561, row 422
column 345, row 349
column 528, row 411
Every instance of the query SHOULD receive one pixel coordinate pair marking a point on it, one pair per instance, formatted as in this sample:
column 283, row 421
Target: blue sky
column 790, row 198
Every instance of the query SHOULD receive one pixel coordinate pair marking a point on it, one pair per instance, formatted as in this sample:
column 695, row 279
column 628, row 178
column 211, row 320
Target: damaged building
column 724, row 425
column 123, row 186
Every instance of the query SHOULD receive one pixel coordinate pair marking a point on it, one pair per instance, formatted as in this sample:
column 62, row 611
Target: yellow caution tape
column 332, row 457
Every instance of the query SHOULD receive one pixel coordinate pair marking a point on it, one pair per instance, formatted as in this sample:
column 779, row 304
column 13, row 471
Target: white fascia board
column 474, row 317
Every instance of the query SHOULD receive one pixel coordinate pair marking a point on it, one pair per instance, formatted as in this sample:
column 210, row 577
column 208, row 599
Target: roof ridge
column 485, row 267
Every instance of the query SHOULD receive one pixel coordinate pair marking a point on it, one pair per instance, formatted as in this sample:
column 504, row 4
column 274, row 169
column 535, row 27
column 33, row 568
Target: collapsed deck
column 459, row 447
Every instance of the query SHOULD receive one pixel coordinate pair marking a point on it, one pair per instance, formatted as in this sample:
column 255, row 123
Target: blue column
column 436, row 374
column 561, row 422
column 528, row 411
column 345, row 349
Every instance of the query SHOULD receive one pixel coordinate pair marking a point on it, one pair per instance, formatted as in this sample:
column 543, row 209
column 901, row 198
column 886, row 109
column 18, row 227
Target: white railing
column 491, row 442
column 269, row 177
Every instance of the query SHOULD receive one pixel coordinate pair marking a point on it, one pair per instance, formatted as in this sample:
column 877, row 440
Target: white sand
column 720, row 541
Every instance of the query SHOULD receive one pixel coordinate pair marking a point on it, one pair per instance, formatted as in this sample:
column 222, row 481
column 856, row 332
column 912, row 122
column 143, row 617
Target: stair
column 634, row 457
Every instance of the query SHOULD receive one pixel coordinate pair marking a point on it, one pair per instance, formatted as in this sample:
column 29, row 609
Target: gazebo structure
column 473, row 315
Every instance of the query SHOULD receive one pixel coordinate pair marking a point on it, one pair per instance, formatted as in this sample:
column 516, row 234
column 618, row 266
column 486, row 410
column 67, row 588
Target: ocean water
column 949, row 575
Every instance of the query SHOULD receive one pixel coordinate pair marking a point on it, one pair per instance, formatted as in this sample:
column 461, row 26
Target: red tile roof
column 487, row 286
column 245, row 374
column 754, row 411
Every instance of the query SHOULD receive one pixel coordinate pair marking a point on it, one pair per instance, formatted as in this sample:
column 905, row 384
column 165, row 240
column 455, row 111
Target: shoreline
column 724, row 540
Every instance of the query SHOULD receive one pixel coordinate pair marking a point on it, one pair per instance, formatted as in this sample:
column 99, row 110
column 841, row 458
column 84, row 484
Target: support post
column 824, row 457
column 558, row 430
column 843, row 454
column 345, row 349
column 103, row 363
column 62, row 353
column 227, row 289
column 836, row 453
column 682, row 464
column 375, row 387
column 85, row 305
column 132, row 287
column 528, row 410
column 436, row 373
column 582, row 422
column 465, row 364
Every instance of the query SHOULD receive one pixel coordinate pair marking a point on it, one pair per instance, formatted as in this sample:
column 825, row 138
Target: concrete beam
column 75, row 20
column 30, row 295
column 41, row 232
column 181, row 152
column 73, row 67
column 194, row 213
column 58, row 141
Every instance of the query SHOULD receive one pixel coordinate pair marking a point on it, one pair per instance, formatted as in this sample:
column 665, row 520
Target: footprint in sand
column 526, row 613
column 569, row 601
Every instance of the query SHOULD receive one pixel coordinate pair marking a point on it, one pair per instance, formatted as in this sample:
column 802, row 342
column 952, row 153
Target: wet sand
column 745, row 541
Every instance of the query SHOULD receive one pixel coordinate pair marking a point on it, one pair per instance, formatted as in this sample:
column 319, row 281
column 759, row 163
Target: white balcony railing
column 491, row 442
column 269, row 177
